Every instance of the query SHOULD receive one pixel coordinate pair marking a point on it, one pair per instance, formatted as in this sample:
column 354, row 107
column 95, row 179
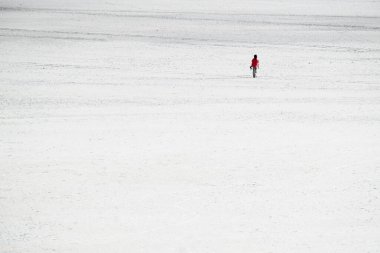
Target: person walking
column 254, row 65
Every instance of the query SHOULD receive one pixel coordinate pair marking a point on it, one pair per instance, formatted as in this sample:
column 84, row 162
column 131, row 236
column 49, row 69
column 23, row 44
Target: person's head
column 255, row 56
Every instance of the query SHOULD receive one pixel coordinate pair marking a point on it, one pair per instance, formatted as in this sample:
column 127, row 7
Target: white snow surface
column 135, row 126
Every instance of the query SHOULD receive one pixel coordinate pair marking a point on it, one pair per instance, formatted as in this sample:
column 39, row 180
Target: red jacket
column 255, row 63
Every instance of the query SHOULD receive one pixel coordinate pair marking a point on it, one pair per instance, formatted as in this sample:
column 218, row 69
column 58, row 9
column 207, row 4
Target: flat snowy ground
column 136, row 127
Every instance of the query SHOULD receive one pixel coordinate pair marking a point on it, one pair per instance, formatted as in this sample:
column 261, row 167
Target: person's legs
column 254, row 72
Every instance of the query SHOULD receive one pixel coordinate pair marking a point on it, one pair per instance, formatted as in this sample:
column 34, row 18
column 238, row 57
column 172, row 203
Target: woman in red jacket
column 254, row 65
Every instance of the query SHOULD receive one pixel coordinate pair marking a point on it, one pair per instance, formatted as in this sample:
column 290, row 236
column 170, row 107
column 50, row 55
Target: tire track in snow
column 316, row 21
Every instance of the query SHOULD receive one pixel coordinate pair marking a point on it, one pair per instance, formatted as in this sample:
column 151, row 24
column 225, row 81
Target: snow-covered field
column 135, row 126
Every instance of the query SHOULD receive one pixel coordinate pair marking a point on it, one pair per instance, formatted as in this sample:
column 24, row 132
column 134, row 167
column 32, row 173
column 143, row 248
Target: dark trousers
column 254, row 70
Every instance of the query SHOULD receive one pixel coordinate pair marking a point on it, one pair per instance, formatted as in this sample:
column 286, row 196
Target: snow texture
column 135, row 126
